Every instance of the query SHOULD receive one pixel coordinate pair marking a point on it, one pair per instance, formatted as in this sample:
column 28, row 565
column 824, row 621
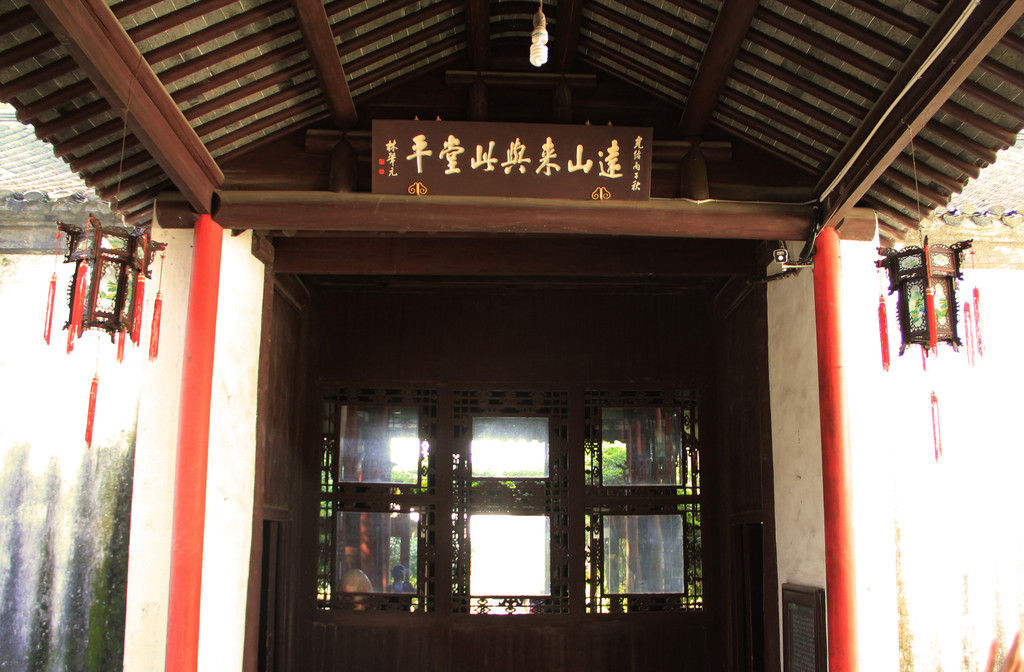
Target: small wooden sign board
column 804, row 638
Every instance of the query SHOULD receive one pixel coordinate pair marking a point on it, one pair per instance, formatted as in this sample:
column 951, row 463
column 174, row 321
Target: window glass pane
column 376, row 552
column 509, row 555
column 642, row 446
column 643, row 554
column 511, row 447
column 378, row 444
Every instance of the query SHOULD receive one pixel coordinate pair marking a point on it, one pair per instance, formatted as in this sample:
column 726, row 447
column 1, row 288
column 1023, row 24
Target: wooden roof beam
column 955, row 44
column 727, row 36
column 478, row 31
column 99, row 44
column 719, row 57
column 567, row 31
column 323, row 53
column 361, row 212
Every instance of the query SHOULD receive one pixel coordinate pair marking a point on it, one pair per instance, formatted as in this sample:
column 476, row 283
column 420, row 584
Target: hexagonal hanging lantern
column 925, row 280
column 109, row 262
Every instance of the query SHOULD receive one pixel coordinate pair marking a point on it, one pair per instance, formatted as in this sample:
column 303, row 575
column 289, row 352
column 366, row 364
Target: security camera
column 781, row 255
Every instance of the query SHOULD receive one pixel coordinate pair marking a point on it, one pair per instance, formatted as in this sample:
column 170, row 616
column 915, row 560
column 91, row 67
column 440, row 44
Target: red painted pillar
column 840, row 581
column 193, row 442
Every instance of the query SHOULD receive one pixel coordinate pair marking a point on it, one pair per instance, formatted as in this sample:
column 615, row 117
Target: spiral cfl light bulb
column 539, row 48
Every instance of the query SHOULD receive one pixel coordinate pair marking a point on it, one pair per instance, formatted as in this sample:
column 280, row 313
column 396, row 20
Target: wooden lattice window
column 377, row 500
column 505, row 509
column 510, row 544
column 643, row 502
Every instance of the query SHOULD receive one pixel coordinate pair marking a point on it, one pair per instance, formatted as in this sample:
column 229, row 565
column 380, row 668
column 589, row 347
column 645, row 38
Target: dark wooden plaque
column 465, row 158
column 804, row 638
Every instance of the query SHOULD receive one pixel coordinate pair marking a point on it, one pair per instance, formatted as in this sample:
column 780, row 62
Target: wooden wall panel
column 746, row 503
column 551, row 336
column 555, row 336
column 282, row 425
column 508, row 643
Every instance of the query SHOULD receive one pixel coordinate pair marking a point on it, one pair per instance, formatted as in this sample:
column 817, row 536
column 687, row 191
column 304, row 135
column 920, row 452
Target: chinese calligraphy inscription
column 540, row 161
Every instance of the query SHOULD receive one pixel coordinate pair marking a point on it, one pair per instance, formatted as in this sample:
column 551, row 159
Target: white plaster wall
column 870, row 394
column 796, row 439
column 230, row 473
column 799, row 508
column 962, row 542
column 149, row 554
column 45, row 392
column 231, row 470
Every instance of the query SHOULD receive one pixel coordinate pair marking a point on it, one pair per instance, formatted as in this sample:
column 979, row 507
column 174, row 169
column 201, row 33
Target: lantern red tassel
column 883, row 331
column 933, row 339
column 92, row 410
column 936, row 427
column 154, row 336
column 77, row 305
column 120, row 347
column 140, row 294
column 47, row 326
column 969, row 329
column 977, row 322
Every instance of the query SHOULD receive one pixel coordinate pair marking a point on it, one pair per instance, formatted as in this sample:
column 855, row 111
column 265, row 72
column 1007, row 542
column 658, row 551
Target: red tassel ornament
column 120, row 347
column 936, row 427
column 77, row 305
column 48, row 325
column 883, row 332
column 154, row 336
column 92, row 410
column 140, row 294
column 969, row 329
column 977, row 322
column 933, row 339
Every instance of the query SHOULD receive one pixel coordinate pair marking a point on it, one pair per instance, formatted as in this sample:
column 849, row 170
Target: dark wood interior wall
column 513, row 336
column 502, row 337
column 747, row 545
column 281, row 427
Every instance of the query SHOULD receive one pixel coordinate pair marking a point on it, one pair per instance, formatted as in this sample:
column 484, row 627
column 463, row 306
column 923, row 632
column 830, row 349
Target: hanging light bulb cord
column 539, row 48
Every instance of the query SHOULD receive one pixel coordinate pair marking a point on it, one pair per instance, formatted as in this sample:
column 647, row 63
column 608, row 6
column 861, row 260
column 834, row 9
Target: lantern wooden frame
column 914, row 273
column 116, row 257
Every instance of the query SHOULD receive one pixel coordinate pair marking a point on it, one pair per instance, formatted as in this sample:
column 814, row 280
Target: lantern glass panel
column 126, row 306
column 114, row 243
column 85, row 244
column 917, row 312
column 910, row 262
column 106, row 294
column 941, row 305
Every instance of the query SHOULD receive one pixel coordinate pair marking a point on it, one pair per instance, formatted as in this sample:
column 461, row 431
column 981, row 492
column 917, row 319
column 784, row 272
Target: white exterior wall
column 149, row 554
column 229, row 497
column 796, row 440
column 869, row 396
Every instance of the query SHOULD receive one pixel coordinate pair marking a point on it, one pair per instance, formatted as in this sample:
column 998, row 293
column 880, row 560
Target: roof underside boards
column 815, row 89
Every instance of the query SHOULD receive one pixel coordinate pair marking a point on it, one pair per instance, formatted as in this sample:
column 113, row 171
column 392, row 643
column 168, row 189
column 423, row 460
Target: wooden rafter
column 719, row 56
column 323, row 52
column 567, row 30
column 956, row 43
column 478, row 29
column 101, row 47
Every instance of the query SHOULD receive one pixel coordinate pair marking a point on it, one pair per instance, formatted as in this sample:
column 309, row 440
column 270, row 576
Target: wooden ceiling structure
column 770, row 117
